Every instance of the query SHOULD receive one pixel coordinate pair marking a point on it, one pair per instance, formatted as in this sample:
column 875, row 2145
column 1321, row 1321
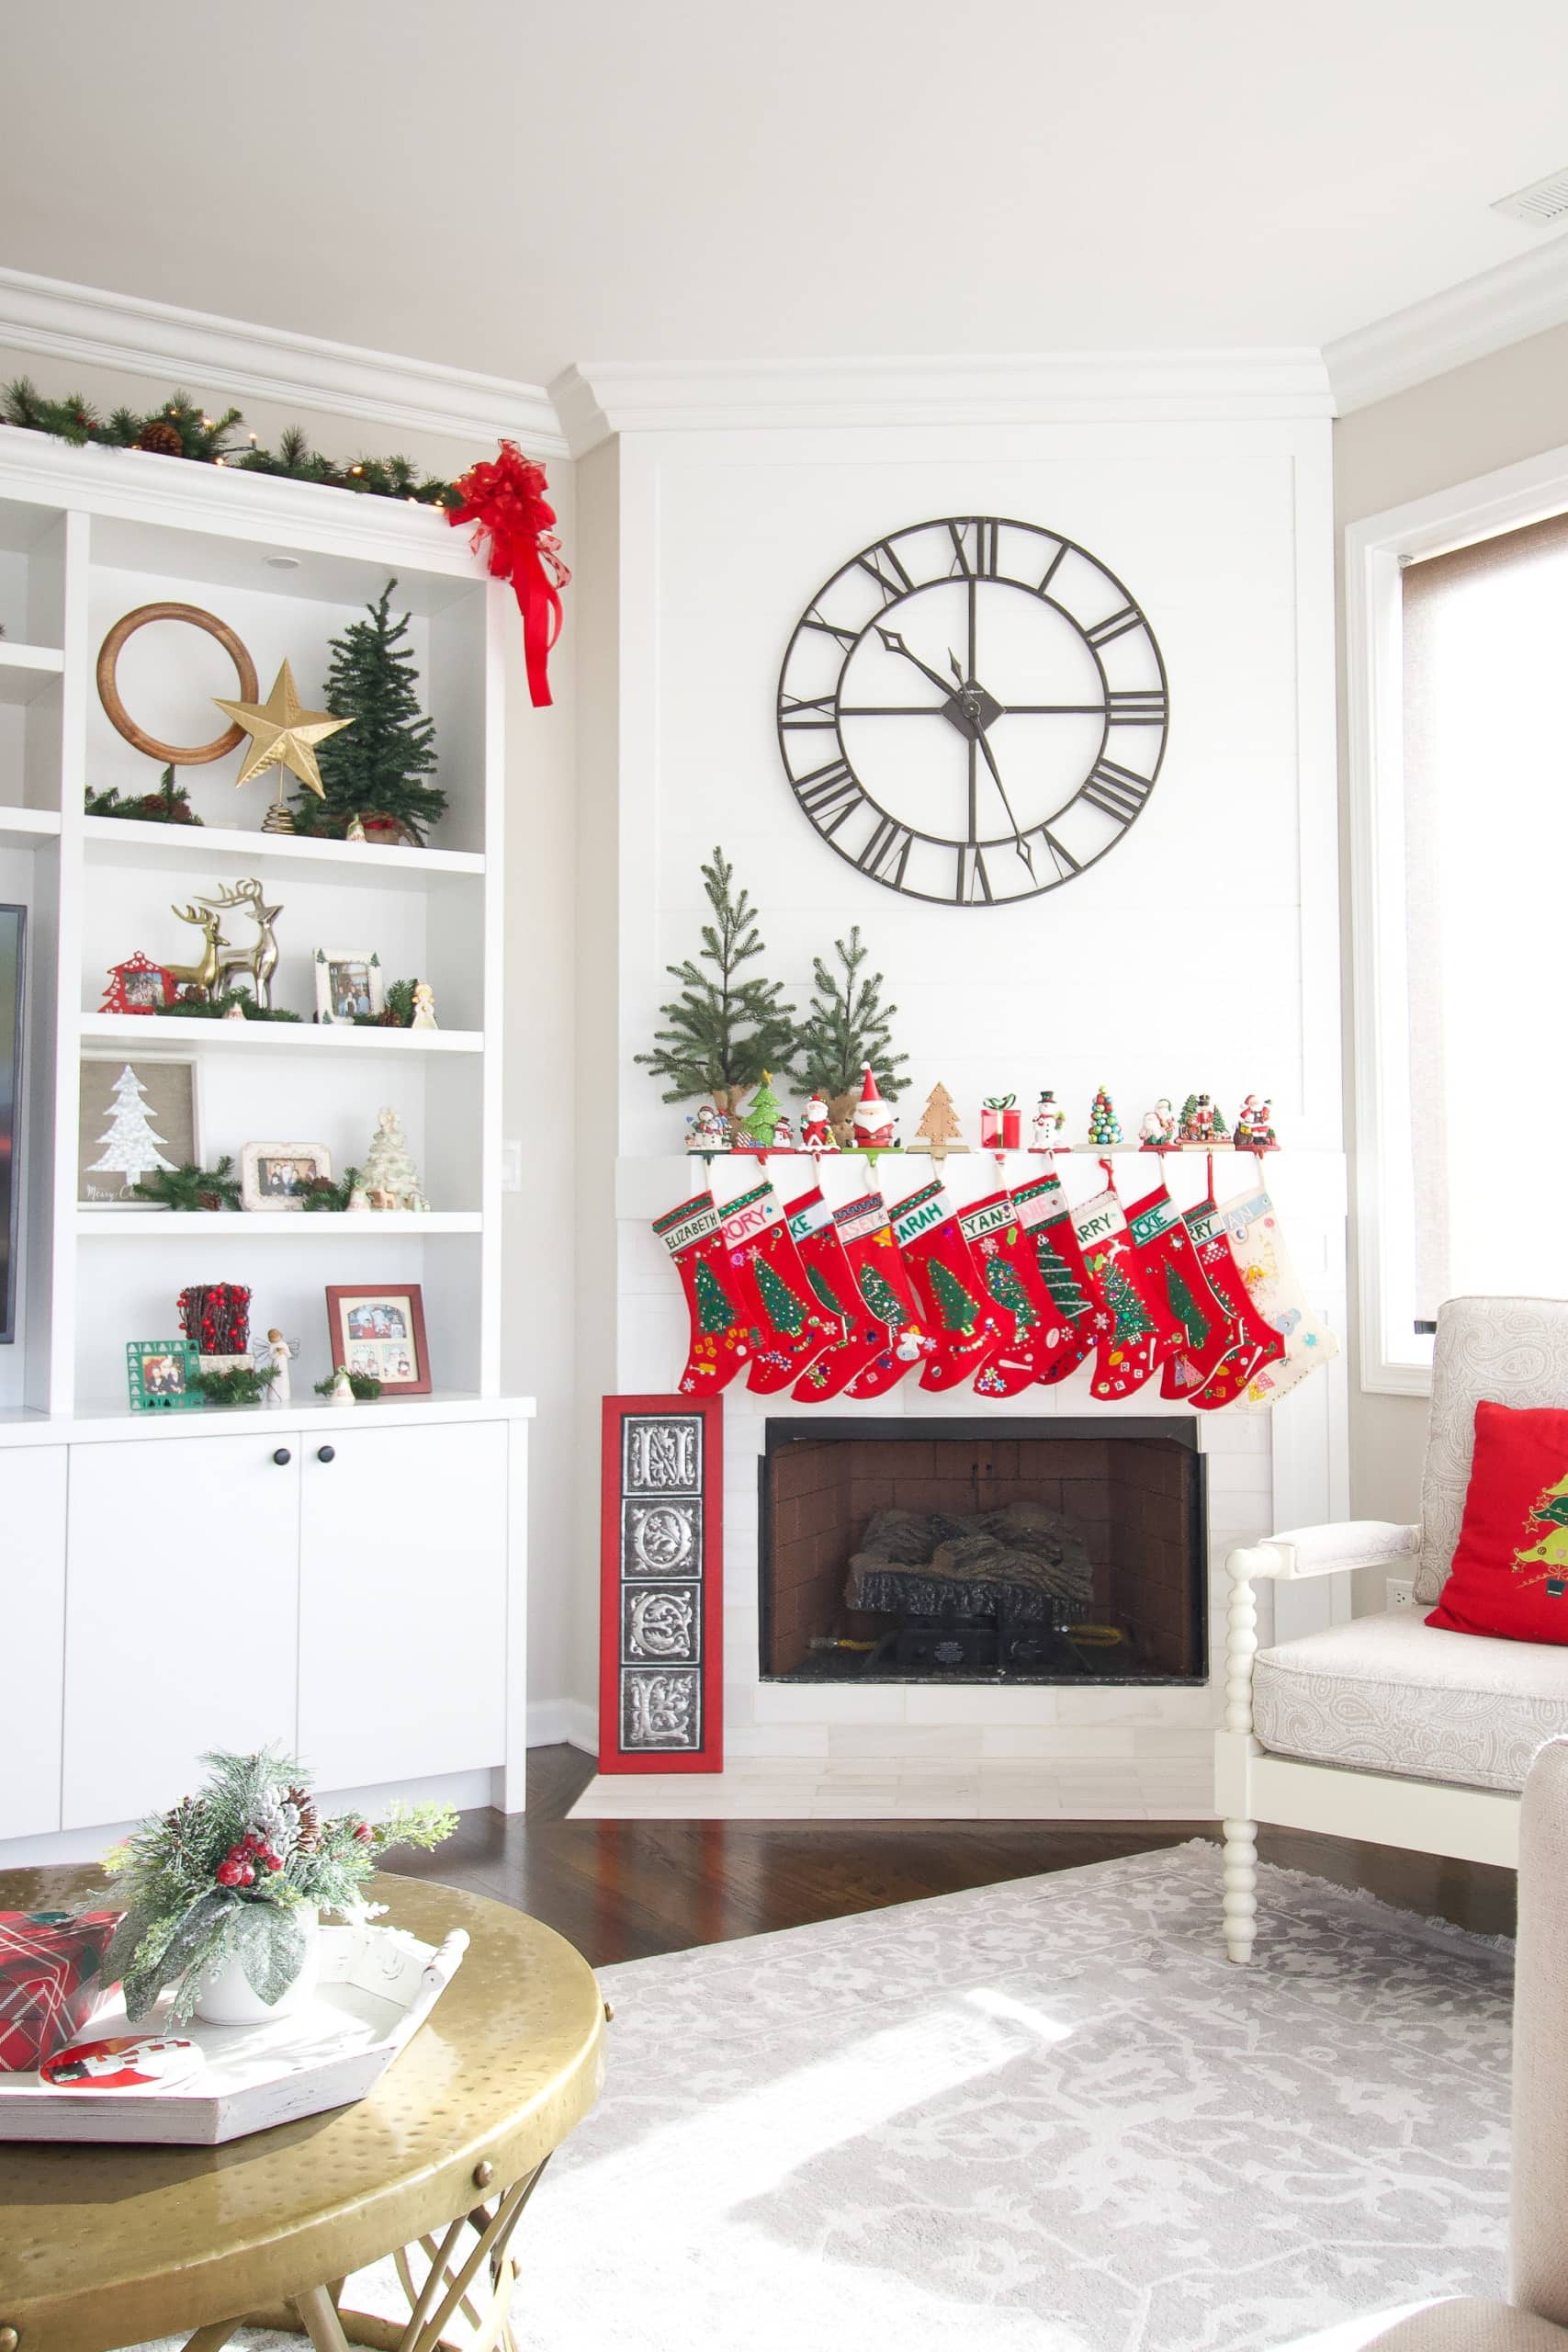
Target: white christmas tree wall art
column 137, row 1117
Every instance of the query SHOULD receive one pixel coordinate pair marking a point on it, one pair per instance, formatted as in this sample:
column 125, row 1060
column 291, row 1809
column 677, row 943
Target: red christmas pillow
column 1510, row 1570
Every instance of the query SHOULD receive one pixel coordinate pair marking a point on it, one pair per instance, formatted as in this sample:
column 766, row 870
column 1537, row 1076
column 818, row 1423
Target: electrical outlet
column 1399, row 1592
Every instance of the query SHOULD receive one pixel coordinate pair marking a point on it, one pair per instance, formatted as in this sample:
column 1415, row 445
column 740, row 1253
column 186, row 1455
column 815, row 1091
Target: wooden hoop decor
column 173, row 754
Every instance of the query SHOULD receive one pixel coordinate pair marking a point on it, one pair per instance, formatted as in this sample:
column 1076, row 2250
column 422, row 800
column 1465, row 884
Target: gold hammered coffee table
column 103, row 2247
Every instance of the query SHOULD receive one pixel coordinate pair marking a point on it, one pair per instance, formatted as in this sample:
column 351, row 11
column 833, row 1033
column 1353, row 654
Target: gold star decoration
column 283, row 732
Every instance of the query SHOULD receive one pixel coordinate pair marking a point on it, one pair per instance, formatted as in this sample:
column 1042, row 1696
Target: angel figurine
column 276, row 1357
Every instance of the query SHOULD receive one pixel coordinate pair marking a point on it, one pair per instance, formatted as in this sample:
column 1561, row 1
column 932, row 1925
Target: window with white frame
column 1461, row 851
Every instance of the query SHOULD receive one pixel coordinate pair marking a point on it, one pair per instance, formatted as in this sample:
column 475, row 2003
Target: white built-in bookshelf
column 85, row 536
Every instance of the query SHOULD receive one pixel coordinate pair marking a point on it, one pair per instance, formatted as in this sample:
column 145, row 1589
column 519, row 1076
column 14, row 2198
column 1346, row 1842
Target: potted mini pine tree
column 374, row 773
column 848, row 1026
column 724, row 1029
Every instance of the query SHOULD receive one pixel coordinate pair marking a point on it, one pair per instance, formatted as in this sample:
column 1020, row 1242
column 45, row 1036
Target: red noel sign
column 504, row 498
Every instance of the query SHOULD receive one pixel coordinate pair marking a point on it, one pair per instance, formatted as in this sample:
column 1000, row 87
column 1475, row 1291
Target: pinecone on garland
column 309, row 1832
column 161, row 440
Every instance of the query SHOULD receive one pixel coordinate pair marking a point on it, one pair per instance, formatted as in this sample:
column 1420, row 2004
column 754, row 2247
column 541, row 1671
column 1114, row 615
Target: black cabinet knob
column 326, row 1453
column 283, row 1457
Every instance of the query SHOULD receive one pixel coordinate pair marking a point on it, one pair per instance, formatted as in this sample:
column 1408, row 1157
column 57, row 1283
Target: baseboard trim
column 570, row 1723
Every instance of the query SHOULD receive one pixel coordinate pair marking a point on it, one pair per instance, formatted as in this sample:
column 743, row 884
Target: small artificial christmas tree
column 1104, row 1127
column 723, row 1033
column 959, row 1312
column 377, row 766
column 131, row 1147
column 761, row 1116
column 850, row 1026
column 939, row 1125
column 388, row 1166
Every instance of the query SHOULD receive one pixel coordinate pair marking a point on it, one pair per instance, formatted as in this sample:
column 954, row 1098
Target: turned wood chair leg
column 1241, row 1889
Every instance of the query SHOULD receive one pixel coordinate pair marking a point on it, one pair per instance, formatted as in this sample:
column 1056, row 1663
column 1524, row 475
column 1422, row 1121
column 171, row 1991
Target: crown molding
column 597, row 398
column 1520, row 298
column 88, row 327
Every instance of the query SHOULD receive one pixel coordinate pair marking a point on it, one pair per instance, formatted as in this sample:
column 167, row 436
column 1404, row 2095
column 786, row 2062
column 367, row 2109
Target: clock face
column 973, row 711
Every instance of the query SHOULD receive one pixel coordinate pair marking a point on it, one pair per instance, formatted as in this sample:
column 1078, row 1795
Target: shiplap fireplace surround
column 1202, row 953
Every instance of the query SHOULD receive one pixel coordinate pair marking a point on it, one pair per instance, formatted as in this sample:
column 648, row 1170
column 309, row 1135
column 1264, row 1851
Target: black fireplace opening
column 1019, row 1551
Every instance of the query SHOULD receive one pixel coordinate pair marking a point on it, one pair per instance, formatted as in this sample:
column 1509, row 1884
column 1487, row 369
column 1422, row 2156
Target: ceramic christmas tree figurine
column 391, row 1179
column 938, row 1128
column 1047, row 1125
column 876, row 1123
column 1104, row 1127
column 1254, row 1125
column 1157, row 1129
column 760, row 1117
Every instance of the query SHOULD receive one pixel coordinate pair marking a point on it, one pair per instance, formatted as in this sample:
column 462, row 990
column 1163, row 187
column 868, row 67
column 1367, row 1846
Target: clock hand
column 894, row 644
column 990, row 760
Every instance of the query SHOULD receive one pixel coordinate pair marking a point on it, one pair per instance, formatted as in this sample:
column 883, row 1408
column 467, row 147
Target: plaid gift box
column 50, row 1984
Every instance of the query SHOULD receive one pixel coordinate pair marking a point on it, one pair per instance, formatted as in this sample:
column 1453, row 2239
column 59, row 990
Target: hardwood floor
column 622, row 1890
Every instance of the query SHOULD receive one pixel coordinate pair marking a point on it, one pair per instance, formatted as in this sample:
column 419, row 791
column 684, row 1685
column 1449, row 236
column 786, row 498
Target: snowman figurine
column 1047, row 1124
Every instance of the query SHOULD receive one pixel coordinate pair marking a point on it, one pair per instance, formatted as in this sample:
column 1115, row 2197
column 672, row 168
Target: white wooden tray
column 375, row 1988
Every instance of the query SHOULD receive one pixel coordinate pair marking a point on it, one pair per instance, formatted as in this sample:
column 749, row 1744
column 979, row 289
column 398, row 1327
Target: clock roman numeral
column 973, row 882
column 1146, row 708
column 885, row 568
column 1117, row 791
column 1065, row 862
column 886, row 853
column 1054, row 567
column 795, row 714
column 830, row 795
column 1114, row 625
column 982, row 564
column 814, row 619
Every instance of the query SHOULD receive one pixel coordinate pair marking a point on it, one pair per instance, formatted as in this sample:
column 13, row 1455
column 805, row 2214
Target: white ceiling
column 502, row 186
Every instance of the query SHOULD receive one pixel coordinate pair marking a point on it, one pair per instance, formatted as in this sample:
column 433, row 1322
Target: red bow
column 505, row 497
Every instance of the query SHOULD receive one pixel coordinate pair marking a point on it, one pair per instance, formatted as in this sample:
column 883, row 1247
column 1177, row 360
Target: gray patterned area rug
column 1042, row 2117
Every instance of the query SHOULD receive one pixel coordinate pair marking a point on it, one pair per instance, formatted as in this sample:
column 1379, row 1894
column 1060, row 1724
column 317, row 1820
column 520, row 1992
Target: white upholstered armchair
column 1388, row 1728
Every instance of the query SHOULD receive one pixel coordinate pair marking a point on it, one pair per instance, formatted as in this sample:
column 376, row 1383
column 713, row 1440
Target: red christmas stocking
column 1134, row 1330
column 1170, row 1262
column 1253, row 1342
column 832, row 1278
column 1068, row 1332
column 788, row 1326
column 893, row 1311
column 1023, row 1307
column 949, row 1285
column 720, row 1343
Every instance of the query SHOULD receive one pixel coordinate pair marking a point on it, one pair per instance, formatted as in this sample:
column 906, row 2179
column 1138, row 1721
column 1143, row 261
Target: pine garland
column 191, row 1187
column 365, row 1384
column 241, row 1384
column 170, row 805
column 332, row 1193
column 214, row 1008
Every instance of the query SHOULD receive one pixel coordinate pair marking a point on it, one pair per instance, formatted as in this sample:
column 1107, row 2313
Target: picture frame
column 161, row 1109
column 161, row 1376
column 137, row 986
column 273, row 1176
column 380, row 1328
column 350, row 984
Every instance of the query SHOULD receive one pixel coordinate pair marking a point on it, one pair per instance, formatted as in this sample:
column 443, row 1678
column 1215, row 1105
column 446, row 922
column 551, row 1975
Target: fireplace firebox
column 1017, row 1551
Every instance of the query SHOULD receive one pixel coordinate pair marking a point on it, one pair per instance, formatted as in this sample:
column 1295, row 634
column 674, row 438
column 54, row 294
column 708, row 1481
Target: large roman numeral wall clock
column 973, row 711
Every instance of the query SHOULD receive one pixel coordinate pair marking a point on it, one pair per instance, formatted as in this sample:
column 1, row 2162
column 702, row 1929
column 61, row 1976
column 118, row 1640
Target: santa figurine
column 1046, row 1125
column 1157, row 1129
column 875, row 1121
column 816, row 1135
column 1254, row 1125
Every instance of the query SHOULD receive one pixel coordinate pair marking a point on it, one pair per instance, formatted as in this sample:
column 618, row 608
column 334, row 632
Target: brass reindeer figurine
column 201, row 977
column 259, row 961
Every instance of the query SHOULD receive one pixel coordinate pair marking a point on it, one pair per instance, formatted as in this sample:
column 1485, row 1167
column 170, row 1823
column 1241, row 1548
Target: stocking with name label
column 1067, row 1336
column 1255, row 1344
column 1169, row 1259
column 788, row 1324
column 894, row 1314
column 1276, row 1289
column 1023, row 1307
column 720, row 1343
column 832, row 1276
column 1134, row 1330
column 949, row 1285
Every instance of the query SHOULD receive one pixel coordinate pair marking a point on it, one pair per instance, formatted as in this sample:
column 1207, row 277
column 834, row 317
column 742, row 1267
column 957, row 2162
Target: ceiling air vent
column 1538, row 205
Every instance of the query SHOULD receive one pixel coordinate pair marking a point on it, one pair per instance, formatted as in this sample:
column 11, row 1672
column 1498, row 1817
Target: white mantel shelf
column 110, row 1422
column 146, row 1030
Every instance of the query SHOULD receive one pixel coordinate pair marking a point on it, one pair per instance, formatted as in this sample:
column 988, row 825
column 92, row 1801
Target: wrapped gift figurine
column 1000, row 1123
column 50, row 1981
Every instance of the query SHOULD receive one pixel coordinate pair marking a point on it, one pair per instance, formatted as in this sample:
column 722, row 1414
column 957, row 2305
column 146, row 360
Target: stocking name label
column 1098, row 1219
column 750, row 1214
column 989, row 1217
column 923, row 1209
column 691, row 1222
column 857, row 1219
column 1148, row 1223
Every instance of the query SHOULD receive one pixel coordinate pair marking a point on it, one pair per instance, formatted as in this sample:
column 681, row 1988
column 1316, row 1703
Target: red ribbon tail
column 541, row 608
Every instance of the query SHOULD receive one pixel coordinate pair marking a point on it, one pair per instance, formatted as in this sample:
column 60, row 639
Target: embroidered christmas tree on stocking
column 1047, row 1222
column 1026, row 1312
column 1276, row 1290
column 788, row 1325
column 1170, row 1263
column 949, row 1285
column 902, row 1339
column 1134, row 1330
column 720, row 1344
column 861, row 1335
column 1254, row 1343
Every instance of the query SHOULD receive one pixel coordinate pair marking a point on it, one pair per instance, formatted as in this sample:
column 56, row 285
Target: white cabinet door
column 182, row 1613
column 32, row 1636
column 402, row 1601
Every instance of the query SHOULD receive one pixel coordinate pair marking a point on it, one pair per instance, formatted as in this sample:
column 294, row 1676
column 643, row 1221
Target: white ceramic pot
column 226, row 1997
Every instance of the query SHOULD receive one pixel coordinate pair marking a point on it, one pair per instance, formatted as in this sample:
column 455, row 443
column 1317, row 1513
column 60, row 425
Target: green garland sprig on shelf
column 179, row 427
column 324, row 1192
column 191, row 1187
column 365, row 1384
column 240, row 1385
column 399, row 1012
column 215, row 1008
column 170, row 805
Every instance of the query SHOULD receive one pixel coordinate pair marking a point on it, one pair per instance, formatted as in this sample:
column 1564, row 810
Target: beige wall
column 1511, row 406
column 538, row 1348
